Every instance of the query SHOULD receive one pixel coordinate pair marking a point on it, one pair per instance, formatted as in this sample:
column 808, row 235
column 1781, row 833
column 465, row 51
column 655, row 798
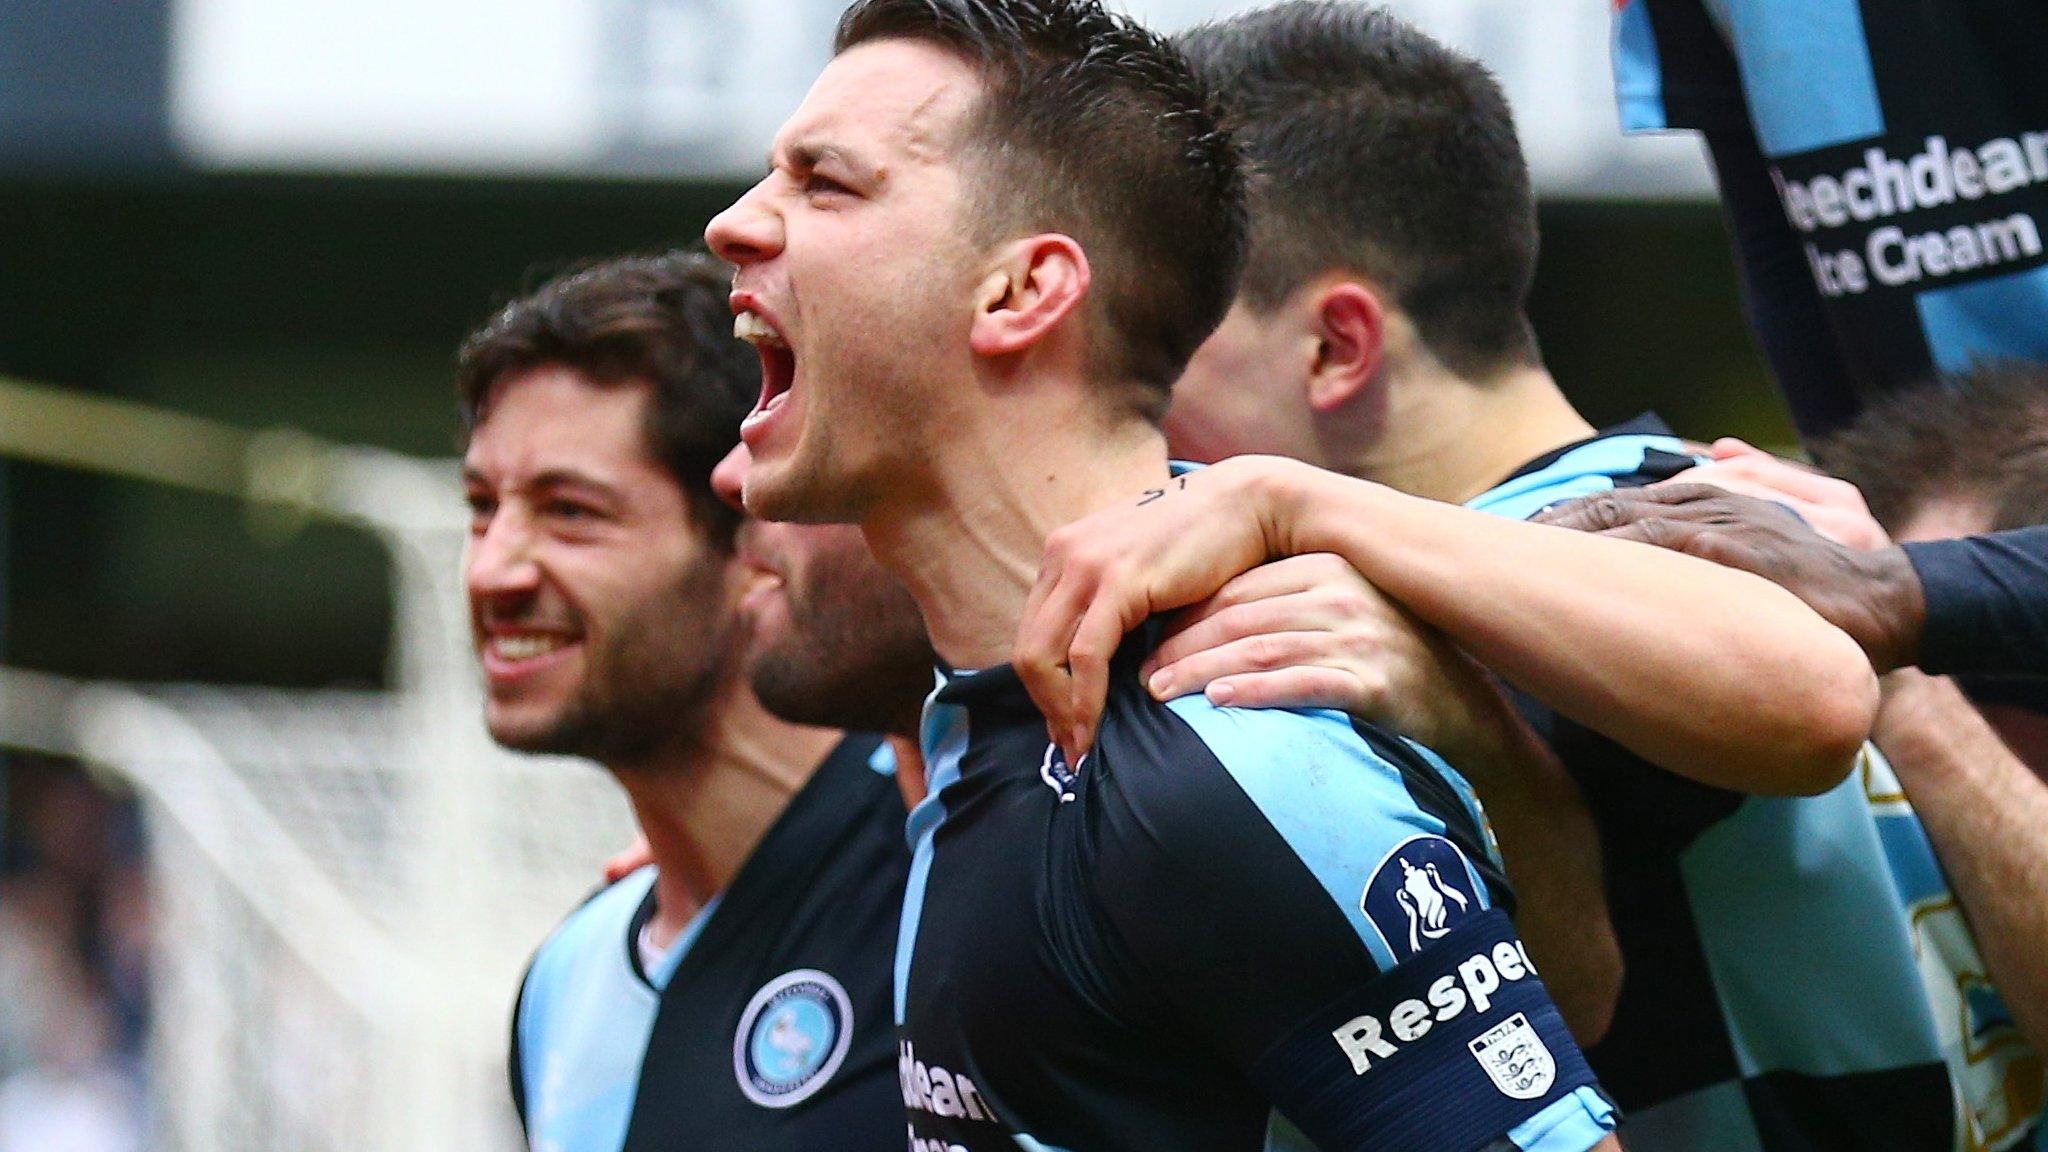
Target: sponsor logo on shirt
column 1418, row 894
column 1369, row 1039
column 939, row 1091
column 1515, row 1059
column 792, row 1038
column 1938, row 176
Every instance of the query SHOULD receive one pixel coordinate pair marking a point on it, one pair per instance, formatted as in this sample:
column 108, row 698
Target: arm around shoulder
column 1712, row 673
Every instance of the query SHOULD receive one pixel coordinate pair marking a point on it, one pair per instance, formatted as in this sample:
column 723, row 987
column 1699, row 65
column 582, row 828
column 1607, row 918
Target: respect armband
column 1453, row 1049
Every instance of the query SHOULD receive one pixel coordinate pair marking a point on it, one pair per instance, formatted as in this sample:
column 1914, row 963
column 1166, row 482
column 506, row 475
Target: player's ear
column 1034, row 284
column 1350, row 326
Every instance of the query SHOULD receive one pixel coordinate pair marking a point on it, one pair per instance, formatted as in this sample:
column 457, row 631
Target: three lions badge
column 792, row 1038
column 1515, row 1058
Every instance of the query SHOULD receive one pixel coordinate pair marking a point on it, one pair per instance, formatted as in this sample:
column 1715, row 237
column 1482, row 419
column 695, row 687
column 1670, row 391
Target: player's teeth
column 750, row 327
column 526, row 647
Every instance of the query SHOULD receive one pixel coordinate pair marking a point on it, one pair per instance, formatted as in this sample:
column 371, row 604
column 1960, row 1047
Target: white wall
column 696, row 87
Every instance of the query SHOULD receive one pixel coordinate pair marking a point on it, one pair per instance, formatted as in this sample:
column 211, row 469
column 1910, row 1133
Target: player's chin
column 793, row 490
column 768, row 628
column 524, row 726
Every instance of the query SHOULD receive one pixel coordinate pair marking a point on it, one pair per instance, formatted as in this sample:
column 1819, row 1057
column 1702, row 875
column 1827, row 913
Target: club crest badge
column 792, row 1038
column 1053, row 771
column 1418, row 894
column 1515, row 1058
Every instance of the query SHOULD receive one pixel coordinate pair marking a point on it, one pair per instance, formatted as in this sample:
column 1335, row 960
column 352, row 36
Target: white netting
column 347, row 883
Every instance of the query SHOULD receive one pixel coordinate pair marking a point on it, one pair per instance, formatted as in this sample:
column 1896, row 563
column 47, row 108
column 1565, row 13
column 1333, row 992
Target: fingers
column 1095, row 642
column 626, row 863
column 1606, row 512
column 1782, row 477
column 1818, row 516
column 1667, row 532
column 1309, row 590
column 1052, row 617
column 1830, row 506
column 1732, row 447
column 1103, row 575
column 1316, row 591
column 1365, row 618
column 1286, row 576
column 1075, row 620
column 1740, row 481
column 1257, row 651
column 1306, row 687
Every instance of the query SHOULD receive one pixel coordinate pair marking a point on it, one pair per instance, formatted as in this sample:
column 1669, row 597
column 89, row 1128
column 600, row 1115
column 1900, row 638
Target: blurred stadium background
column 263, row 883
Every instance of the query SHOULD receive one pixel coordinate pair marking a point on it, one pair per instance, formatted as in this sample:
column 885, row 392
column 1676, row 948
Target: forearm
column 1985, row 602
column 1712, row 673
column 1552, row 852
column 1987, row 817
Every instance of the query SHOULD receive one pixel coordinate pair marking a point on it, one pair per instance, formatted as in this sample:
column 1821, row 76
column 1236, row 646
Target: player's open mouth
column 764, row 578
column 762, row 585
column 778, row 368
column 778, row 363
column 508, row 655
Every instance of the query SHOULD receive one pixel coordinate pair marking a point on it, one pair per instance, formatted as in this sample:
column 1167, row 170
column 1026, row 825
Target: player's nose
column 748, row 232
column 500, row 560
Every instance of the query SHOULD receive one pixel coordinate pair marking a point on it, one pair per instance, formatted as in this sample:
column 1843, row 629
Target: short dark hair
column 662, row 320
column 1978, row 435
column 1377, row 150
column 1095, row 127
column 2024, row 501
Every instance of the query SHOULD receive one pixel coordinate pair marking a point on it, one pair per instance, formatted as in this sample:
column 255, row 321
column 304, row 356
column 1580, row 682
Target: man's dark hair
column 2024, row 501
column 1094, row 127
column 662, row 320
column 1376, row 150
column 1978, row 436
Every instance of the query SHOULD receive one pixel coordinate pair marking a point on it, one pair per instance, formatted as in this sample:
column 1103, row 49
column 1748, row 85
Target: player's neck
column 1450, row 439
column 969, row 548
column 705, row 800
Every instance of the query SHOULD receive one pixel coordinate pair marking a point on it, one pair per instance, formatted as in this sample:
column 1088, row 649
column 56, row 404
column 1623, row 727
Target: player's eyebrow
column 566, row 477
column 550, row 478
column 804, row 155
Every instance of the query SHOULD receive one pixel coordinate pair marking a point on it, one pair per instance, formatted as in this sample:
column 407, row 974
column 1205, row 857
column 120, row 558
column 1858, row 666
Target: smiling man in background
column 735, row 993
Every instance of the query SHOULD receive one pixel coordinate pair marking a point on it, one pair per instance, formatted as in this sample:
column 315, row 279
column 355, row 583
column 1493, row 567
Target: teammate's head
column 1960, row 455
column 836, row 639
column 972, row 191
column 658, row 323
column 1392, row 218
column 601, row 577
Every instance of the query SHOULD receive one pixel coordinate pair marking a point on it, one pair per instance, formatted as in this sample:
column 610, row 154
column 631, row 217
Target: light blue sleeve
column 1344, row 809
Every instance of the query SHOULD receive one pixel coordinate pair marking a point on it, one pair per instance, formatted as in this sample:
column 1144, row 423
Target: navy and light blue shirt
column 1223, row 931
column 1799, row 976
column 1885, row 169
column 765, row 1027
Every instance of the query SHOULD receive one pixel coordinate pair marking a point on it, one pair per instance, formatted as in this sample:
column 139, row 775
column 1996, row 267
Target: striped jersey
column 766, row 1027
column 1799, row 977
column 1894, row 156
column 1223, row 931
